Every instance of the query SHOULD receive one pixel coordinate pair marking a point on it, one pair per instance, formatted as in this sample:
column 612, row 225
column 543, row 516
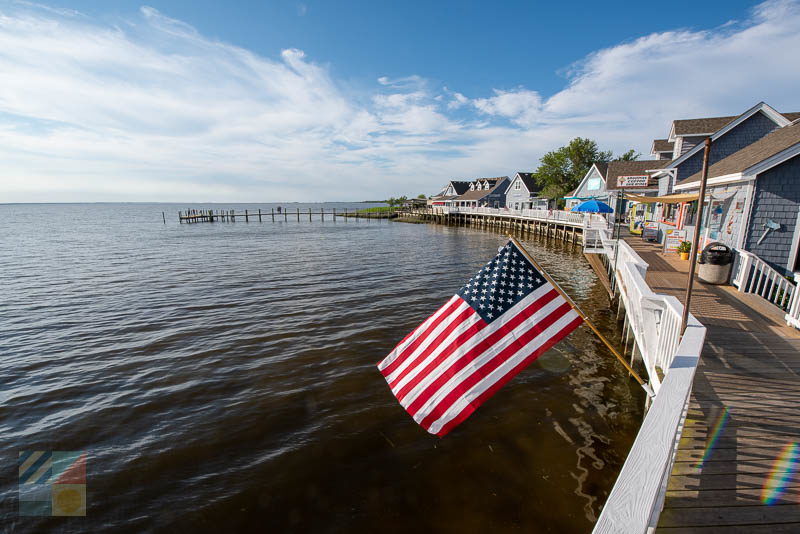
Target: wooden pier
column 560, row 225
column 286, row 215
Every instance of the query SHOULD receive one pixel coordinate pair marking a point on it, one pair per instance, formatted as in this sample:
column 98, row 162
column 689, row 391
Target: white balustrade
column 636, row 500
column 754, row 275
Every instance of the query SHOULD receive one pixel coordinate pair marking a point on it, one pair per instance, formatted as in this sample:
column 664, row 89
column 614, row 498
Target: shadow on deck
column 736, row 466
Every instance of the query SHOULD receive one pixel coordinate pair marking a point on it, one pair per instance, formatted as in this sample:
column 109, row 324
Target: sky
column 207, row 101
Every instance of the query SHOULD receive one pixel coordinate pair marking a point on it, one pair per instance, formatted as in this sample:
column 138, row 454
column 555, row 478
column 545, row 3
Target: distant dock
column 276, row 215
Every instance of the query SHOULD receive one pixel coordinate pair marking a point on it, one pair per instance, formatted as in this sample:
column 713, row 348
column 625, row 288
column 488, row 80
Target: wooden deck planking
column 749, row 376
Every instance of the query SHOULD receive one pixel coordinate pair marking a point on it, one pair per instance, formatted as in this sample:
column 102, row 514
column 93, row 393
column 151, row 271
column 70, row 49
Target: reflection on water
column 222, row 377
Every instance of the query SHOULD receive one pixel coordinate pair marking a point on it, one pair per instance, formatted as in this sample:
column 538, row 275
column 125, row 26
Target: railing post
column 742, row 277
column 793, row 315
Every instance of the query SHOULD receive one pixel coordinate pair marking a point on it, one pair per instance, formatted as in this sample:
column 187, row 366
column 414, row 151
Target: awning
column 666, row 199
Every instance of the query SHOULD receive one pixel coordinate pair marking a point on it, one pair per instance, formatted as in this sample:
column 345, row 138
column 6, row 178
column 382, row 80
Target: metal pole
column 693, row 254
column 585, row 318
column 620, row 202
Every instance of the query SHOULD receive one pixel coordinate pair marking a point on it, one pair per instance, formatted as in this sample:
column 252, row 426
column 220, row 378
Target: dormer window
column 486, row 186
column 472, row 187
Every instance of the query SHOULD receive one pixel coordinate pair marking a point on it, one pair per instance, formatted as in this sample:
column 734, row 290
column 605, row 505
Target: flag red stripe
column 515, row 346
column 479, row 349
column 434, row 363
column 455, row 323
column 483, row 397
column 453, row 303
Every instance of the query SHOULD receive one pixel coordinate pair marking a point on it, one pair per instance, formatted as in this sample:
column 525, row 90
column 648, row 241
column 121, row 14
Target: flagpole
column 585, row 318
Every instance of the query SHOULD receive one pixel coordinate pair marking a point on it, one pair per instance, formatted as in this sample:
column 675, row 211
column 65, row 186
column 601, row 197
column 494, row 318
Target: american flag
column 499, row 322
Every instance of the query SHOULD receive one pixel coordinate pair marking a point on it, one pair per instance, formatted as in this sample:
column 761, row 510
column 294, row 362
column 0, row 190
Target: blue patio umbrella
column 593, row 206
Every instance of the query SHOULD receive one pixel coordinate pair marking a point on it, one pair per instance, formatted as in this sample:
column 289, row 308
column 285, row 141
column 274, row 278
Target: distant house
column 484, row 192
column 452, row 190
column 604, row 181
column 753, row 198
column 523, row 193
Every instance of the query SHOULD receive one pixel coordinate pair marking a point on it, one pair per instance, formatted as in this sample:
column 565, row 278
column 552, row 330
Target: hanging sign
column 673, row 238
column 633, row 181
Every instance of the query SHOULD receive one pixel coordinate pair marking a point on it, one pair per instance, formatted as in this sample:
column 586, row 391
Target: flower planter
column 684, row 255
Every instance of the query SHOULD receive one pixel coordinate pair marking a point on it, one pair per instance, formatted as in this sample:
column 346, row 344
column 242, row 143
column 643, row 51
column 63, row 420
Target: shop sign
column 673, row 238
column 633, row 181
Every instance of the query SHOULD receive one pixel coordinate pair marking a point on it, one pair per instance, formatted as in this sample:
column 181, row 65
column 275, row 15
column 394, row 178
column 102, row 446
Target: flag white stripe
column 412, row 356
column 462, row 402
column 482, row 358
column 418, row 331
column 463, row 327
column 42, row 470
column 32, row 459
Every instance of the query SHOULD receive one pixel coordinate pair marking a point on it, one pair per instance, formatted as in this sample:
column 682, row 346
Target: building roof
column 529, row 181
column 663, row 145
column 700, row 126
column 710, row 125
column 752, row 154
column 615, row 169
column 480, row 193
column 460, row 186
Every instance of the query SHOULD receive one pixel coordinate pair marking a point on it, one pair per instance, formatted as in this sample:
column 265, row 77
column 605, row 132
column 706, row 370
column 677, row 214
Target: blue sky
column 212, row 101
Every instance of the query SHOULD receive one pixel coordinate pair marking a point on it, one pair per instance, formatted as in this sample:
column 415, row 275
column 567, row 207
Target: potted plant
column 684, row 248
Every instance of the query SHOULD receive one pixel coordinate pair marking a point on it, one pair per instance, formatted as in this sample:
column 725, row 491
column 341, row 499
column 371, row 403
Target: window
column 486, row 186
column 517, row 185
column 593, row 184
column 472, row 187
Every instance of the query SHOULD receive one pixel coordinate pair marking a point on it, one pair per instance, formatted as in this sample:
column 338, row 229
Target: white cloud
column 458, row 101
column 520, row 105
column 152, row 110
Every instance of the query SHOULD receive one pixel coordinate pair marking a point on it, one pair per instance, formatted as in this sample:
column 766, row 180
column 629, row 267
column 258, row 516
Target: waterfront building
column 728, row 134
column 753, row 198
column 524, row 193
column 453, row 189
column 483, row 192
column 606, row 182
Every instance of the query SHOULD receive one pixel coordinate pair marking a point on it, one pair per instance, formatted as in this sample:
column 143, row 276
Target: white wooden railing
column 793, row 313
column 557, row 216
column 635, row 502
column 754, row 275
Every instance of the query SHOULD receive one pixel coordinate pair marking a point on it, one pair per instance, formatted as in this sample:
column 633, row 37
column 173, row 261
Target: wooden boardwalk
column 736, row 469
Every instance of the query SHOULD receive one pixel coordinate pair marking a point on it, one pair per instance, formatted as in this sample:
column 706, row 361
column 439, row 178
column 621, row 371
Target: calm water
column 221, row 377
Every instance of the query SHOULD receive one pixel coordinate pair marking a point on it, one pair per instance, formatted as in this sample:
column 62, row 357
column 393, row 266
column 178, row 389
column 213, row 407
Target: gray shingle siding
column 777, row 198
column 689, row 142
column 744, row 134
column 585, row 192
column 498, row 195
column 665, row 186
column 517, row 195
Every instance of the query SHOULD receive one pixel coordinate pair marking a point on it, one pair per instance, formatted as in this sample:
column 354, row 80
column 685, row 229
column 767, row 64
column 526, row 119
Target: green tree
column 422, row 196
column 630, row 155
column 560, row 171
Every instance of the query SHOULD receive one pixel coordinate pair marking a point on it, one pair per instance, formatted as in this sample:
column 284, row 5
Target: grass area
column 379, row 209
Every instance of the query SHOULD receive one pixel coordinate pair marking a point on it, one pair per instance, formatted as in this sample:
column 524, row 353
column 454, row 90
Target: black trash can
column 716, row 261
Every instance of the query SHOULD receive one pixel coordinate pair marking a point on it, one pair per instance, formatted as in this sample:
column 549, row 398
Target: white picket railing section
column 637, row 498
column 793, row 313
column 754, row 275
column 556, row 216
